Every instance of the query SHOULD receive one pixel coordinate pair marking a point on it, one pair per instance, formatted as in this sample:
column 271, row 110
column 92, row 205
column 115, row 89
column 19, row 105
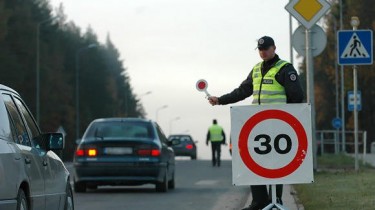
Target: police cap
column 265, row 42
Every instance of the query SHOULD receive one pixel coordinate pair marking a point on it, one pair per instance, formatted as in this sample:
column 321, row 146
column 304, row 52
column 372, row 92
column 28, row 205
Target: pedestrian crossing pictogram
column 354, row 47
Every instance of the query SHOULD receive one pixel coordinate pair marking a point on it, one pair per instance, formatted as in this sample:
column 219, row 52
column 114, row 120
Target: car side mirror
column 55, row 141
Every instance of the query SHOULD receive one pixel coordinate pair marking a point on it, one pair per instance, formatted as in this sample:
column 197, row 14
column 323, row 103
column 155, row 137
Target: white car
column 32, row 176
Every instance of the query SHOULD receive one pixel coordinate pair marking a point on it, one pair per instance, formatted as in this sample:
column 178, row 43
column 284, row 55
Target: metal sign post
column 355, row 23
column 310, row 88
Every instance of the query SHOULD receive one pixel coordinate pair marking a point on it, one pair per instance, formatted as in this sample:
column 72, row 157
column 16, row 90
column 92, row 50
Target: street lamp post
column 141, row 96
column 157, row 110
column 170, row 124
column 145, row 94
column 80, row 50
column 37, row 107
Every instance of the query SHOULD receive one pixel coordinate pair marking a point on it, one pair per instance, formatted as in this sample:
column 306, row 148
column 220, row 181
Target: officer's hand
column 213, row 100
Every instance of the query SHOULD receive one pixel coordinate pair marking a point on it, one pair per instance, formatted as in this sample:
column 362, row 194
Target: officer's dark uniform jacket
column 287, row 77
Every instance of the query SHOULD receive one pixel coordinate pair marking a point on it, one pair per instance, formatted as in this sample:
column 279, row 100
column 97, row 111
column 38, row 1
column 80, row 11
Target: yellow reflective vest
column 216, row 133
column 266, row 90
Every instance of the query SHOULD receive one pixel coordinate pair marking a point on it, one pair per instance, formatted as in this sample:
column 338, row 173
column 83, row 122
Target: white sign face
column 271, row 144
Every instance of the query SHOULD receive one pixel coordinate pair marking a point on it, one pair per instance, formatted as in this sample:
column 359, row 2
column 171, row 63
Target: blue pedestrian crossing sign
column 354, row 47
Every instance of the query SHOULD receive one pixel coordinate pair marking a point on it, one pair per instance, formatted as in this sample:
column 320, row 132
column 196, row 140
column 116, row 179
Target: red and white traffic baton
column 202, row 86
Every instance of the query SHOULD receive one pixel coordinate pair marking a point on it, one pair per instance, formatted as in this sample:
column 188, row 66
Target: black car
column 185, row 145
column 32, row 176
column 124, row 151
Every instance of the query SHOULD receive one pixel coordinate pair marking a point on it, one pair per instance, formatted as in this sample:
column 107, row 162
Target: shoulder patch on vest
column 293, row 77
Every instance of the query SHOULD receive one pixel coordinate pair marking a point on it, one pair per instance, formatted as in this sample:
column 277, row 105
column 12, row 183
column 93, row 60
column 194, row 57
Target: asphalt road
column 199, row 186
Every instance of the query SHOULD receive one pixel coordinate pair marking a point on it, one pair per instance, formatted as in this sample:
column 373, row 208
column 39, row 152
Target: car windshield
column 120, row 130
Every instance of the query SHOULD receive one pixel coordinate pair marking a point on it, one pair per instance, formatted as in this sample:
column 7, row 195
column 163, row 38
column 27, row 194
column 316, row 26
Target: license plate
column 118, row 150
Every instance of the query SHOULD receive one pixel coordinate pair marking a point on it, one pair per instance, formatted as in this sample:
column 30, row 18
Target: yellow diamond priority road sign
column 307, row 12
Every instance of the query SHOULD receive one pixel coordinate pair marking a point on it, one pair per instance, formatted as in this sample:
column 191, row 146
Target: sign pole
column 342, row 91
column 355, row 22
column 355, row 117
column 310, row 91
column 343, row 109
column 274, row 203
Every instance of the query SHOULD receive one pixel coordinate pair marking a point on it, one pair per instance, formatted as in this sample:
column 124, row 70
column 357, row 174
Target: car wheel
column 162, row 186
column 193, row 157
column 171, row 183
column 22, row 201
column 69, row 202
column 79, row 187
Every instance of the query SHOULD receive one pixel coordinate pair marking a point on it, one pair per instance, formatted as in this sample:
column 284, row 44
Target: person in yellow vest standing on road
column 216, row 136
column 271, row 81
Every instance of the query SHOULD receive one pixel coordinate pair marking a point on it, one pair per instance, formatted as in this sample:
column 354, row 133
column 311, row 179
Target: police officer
column 216, row 136
column 271, row 81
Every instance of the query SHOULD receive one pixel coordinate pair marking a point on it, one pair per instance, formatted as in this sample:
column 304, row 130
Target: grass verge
column 338, row 186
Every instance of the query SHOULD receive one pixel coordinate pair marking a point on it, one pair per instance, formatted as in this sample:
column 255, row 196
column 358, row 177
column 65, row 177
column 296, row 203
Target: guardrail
column 330, row 141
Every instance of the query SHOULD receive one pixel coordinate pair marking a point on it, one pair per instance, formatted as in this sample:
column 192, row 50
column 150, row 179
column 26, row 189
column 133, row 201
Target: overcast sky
column 168, row 45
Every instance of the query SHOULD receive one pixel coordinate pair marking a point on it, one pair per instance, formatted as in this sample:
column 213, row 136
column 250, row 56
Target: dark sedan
column 186, row 145
column 124, row 151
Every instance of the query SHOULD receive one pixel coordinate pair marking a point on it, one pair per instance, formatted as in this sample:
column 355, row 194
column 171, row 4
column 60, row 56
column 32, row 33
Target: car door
column 11, row 173
column 32, row 158
column 53, row 173
column 167, row 152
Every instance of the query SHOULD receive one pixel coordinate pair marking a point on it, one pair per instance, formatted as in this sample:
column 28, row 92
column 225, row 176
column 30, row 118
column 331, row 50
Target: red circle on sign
column 267, row 115
column 202, row 85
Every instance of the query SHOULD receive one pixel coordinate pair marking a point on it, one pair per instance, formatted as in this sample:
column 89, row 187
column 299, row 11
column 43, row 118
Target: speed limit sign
column 271, row 144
